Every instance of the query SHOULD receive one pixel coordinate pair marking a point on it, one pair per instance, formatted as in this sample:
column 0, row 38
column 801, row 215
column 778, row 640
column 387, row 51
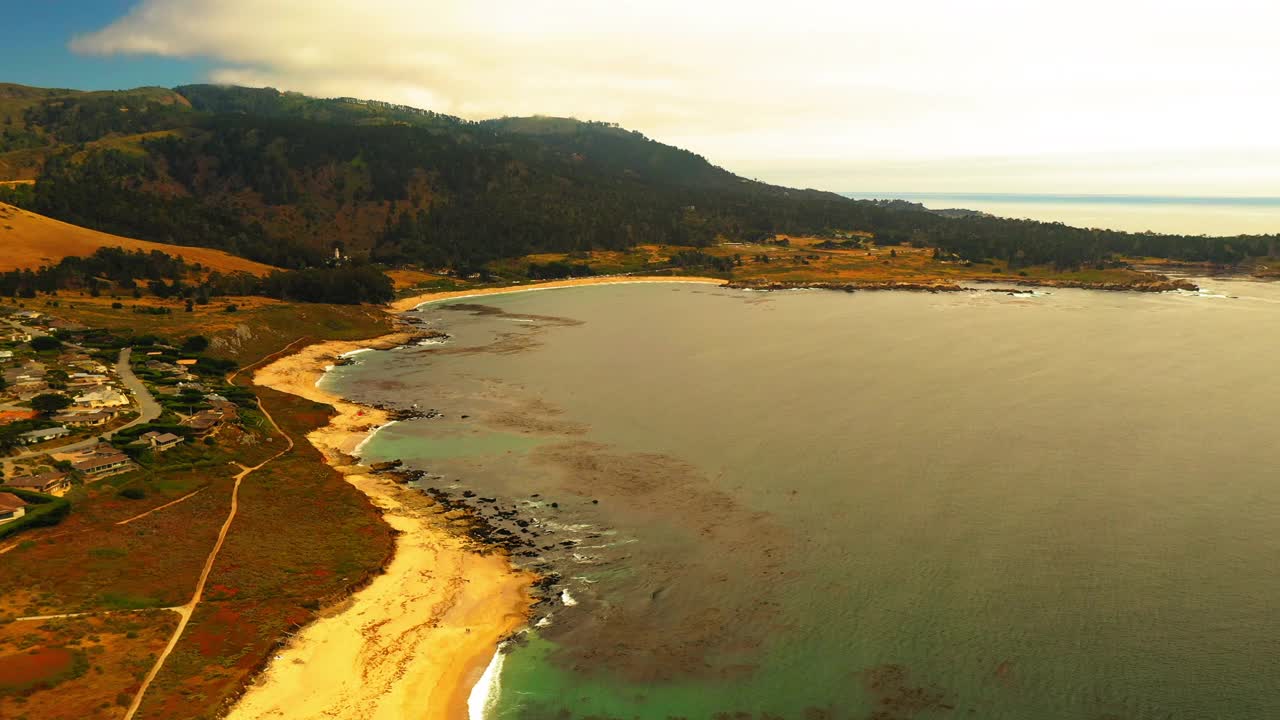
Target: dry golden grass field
column 28, row 240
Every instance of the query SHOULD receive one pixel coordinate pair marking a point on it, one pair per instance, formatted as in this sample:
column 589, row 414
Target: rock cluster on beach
column 487, row 524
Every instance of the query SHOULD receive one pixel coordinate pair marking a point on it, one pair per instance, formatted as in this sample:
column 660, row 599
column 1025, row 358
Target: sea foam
column 485, row 693
column 367, row 438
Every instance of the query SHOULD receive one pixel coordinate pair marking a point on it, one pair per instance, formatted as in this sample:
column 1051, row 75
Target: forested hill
column 284, row 179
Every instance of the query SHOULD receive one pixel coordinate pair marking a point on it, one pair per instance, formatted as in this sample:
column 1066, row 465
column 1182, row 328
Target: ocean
column 881, row 506
column 1134, row 213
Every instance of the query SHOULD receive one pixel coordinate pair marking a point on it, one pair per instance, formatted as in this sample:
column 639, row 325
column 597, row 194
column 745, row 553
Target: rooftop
column 10, row 502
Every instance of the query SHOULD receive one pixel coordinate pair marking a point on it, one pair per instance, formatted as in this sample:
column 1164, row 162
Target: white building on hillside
column 102, row 397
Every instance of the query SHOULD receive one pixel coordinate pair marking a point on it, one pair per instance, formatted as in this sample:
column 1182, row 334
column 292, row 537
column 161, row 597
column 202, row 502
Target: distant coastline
column 1104, row 198
column 1182, row 214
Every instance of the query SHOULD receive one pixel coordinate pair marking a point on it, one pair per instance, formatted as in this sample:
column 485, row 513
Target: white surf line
column 357, row 450
column 485, row 692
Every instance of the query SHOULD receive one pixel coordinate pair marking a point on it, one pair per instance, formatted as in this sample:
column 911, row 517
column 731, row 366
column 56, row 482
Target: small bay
column 872, row 505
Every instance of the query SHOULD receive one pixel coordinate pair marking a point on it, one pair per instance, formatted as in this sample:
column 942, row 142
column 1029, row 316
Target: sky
column 1088, row 96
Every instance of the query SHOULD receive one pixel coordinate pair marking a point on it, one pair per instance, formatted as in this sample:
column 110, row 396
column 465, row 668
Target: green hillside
column 283, row 178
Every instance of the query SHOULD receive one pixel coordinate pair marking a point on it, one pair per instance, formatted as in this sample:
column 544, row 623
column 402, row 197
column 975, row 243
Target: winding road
column 148, row 410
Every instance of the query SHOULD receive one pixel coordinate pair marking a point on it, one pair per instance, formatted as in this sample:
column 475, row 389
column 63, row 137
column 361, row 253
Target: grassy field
column 28, row 240
column 258, row 326
column 77, row 668
column 420, row 281
column 304, row 538
column 816, row 260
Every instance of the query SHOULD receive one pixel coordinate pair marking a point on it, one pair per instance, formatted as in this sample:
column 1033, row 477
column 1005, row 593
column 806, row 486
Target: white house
column 100, row 464
column 50, row 483
column 38, row 436
column 12, row 507
column 161, row 441
column 102, row 397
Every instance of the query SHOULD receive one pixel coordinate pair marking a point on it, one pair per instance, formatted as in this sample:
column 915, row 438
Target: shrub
column 44, row 343
column 195, row 344
column 49, row 403
column 47, row 510
column 133, row 493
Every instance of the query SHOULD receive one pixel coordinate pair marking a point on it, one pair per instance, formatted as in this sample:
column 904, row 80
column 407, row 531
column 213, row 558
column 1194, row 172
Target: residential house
column 162, row 366
column 204, row 421
column 12, row 507
column 85, row 380
column 28, row 389
column 38, row 436
column 6, row 354
column 85, row 419
column 50, row 483
column 104, row 464
column 28, row 315
column 103, row 397
column 26, row 372
column 229, row 410
column 161, row 441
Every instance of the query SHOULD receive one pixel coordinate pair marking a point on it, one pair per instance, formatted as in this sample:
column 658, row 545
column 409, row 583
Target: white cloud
column 1076, row 94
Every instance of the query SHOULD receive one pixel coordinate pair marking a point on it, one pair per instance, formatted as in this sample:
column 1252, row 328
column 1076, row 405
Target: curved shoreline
column 414, row 642
column 414, row 301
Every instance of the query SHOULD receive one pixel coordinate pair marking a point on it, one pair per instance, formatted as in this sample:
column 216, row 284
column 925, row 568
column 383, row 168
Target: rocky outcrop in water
column 845, row 287
column 1157, row 283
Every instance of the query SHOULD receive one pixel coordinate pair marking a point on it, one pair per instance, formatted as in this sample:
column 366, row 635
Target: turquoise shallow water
column 820, row 505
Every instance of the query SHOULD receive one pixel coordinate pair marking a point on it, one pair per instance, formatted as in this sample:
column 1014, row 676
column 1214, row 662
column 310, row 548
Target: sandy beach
column 409, row 303
column 413, row 644
column 415, row 641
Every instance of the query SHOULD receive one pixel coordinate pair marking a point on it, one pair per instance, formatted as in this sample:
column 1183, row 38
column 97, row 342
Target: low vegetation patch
column 44, row 511
column 40, row 668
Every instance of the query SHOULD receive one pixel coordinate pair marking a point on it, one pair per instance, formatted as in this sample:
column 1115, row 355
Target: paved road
column 147, row 405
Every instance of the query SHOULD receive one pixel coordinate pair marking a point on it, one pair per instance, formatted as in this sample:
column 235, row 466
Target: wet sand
column 415, row 641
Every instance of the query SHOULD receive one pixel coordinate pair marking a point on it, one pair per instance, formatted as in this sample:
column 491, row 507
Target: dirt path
column 188, row 496
column 59, row 616
column 185, row 611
